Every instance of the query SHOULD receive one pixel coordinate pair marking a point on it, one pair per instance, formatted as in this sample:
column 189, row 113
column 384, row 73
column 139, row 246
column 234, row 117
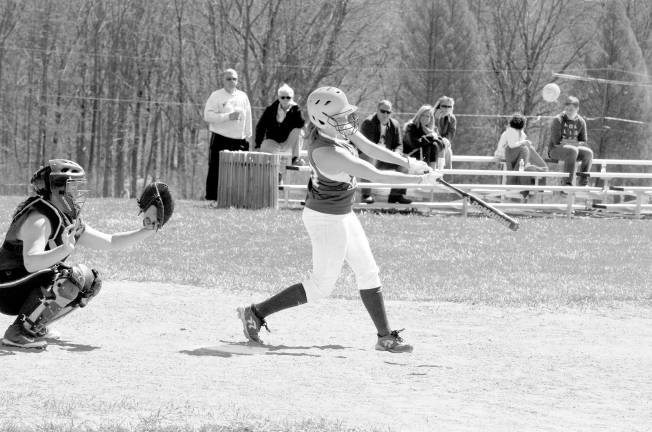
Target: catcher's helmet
column 328, row 106
column 64, row 176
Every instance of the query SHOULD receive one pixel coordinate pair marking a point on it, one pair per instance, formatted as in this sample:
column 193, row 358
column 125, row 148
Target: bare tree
column 10, row 16
column 526, row 40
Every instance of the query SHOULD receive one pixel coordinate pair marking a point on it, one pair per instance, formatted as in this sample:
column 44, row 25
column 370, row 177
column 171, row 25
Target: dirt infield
column 158, row 354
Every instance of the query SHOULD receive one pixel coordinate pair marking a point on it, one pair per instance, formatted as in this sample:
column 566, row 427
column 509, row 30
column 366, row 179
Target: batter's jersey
column 325, row 194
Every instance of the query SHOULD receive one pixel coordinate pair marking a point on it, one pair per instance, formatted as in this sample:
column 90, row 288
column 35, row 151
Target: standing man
column 383, row 130
column 568, row 141
column 228, row 114
column 279, row 129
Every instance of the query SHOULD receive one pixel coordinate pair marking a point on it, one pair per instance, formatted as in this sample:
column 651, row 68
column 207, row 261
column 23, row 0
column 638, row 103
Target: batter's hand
column 416, row 166
column 431, row 177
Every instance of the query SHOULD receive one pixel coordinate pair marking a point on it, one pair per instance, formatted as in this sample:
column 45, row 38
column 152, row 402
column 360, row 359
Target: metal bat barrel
column 248, row 180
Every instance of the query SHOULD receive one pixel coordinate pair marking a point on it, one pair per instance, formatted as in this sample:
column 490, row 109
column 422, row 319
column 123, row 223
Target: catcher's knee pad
column 72, row 287
column 88, row 281
column 318, row 288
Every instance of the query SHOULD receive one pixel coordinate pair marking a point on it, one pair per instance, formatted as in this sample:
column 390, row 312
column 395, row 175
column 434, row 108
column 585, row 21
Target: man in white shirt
column 228, row 114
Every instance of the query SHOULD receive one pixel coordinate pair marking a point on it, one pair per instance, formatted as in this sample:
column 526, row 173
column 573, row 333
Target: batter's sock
column 292, row 296
column 373, row 301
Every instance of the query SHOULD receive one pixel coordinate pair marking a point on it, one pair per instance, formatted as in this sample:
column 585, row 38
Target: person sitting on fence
column 518, row 152
column 446, row 125
column 421, row 140
column 568, row 140
column 385, row 131
column 280, row 128
column 514, row 147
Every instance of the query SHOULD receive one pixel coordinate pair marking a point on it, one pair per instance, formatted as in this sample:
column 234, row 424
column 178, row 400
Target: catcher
column 35, row 282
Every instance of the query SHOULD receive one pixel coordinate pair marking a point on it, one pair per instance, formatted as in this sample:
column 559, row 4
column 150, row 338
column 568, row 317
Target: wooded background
column 120, row 85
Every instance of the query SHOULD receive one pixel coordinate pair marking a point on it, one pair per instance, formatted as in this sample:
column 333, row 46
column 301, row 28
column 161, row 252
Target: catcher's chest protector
column 11, row 252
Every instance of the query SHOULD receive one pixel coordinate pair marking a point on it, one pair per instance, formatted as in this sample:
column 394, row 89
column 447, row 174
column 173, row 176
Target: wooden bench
column 635, row 206
column 501, row 191
column 568, row 207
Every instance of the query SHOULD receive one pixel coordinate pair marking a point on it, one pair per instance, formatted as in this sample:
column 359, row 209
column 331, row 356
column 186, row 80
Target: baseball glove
column 156, row 194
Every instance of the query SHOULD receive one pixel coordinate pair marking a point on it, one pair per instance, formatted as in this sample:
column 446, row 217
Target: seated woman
column 421, row 140
column 514, row 146
column 446, row 125
column 516, row 149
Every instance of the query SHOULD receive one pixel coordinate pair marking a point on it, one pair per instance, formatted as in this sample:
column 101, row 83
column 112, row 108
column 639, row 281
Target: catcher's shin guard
column 72, row 287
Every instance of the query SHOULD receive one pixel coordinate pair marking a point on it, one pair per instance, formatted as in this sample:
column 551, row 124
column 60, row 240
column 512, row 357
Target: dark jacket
column 564, row 129
column 446, row 126
column 370, row 128
column 414, row 138
column 268, row 128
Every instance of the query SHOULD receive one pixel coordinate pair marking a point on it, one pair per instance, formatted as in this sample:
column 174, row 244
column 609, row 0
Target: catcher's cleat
column 251, row 323
column 17, row 336
column 393, row 343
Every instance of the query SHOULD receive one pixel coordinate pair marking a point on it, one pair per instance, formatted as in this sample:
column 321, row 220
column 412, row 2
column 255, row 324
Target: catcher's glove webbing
column 157, row 194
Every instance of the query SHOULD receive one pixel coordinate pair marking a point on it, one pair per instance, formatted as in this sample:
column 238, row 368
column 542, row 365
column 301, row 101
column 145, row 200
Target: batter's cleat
column 251, row 323
column 393, row 343
column 17, row 336
column 48, row 333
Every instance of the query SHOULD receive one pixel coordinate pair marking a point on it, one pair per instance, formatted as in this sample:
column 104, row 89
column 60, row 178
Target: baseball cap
column 572, row 100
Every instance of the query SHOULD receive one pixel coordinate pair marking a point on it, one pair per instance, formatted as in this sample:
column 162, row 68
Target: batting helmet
column 329, row 107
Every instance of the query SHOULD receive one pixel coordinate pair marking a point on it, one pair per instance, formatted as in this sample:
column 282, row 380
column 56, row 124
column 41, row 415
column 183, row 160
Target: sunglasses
column 231, row 79
column 285, row 97
column 385, row 112
column 445, row 106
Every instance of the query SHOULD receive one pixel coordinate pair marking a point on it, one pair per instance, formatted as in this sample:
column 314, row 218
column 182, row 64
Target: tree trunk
column 135, row 147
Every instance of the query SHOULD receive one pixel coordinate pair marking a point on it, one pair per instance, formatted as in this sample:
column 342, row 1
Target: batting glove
column 416, row 166
column 431, row 177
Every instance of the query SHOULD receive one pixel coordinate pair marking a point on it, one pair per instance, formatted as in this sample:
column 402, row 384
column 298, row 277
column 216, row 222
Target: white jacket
column 511, row 138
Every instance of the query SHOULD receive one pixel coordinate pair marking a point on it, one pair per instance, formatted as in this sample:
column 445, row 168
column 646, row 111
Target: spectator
column 568, row 141
column 385, row 131
column 279, row 129
column 446, row 125
column 517, row 150
column 514, row 146
column 420, row 139
column 228, row 114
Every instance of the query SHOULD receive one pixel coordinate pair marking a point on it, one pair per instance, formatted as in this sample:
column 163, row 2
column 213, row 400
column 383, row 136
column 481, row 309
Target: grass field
column 580, row 265
column 552, row 262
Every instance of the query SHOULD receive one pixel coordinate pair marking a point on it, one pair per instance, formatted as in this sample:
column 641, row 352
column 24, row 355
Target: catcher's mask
column 65, row 178
column 328, row 107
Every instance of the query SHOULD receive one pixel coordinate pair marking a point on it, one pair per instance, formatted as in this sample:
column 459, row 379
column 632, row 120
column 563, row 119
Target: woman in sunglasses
column 421, row 140
column 446, row 125
column 279, row 129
